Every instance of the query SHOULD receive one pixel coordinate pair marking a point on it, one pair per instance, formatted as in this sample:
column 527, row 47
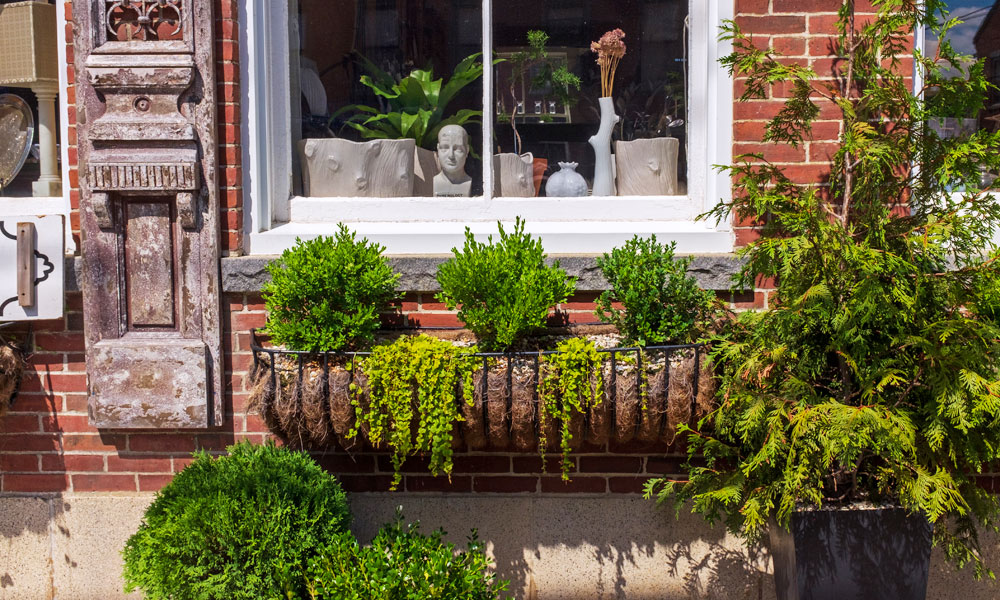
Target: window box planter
column 308, row 399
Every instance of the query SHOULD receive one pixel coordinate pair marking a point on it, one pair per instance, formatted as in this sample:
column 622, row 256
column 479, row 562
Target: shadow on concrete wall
column 578, row 547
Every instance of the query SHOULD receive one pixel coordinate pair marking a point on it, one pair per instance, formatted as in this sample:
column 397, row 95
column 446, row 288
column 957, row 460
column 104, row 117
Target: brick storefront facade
column 49, row 450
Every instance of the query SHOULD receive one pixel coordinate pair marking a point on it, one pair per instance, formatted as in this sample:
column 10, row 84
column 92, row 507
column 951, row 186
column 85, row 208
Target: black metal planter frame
column 299, row 357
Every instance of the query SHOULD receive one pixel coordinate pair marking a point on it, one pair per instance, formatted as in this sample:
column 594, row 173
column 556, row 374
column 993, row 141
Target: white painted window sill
column 533, row 209
column 558, row 237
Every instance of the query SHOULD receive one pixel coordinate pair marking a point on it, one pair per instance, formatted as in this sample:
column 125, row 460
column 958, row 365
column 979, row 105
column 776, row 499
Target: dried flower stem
column 610, row 49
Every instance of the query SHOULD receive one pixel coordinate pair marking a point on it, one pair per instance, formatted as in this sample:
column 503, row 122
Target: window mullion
column 487, row 149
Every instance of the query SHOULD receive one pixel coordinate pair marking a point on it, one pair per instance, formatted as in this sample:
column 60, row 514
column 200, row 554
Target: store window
column 396, row 118
column 977, row 36
column 32, row 108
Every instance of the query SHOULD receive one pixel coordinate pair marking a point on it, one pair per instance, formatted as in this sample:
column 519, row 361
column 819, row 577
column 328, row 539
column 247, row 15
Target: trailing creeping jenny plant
column 503, row 290
column 570, row 384
column 413, row 385
column 874, row 377
column 327, row 293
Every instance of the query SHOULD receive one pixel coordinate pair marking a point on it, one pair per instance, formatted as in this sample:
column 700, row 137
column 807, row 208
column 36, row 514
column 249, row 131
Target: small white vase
column 604, row 178
column 566, row 182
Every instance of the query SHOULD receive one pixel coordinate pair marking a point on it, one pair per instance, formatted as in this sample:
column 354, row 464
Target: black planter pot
column 853, row 554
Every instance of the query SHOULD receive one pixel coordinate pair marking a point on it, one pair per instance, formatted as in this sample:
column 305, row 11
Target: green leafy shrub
column 504, row 290
column 413, row 385
column 570, row 384
column 242, row 526
column 874, row 377
column 327, row 293
column 403, row 563
column 662, row 303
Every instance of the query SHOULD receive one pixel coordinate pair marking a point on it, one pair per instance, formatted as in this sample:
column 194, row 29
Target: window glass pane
column 978, row 35
column 13, row 128
column 25, row 114
column 539, row 109
column 349, row 57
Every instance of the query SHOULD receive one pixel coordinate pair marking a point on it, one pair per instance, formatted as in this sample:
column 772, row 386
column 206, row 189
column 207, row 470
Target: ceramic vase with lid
column 566, row 182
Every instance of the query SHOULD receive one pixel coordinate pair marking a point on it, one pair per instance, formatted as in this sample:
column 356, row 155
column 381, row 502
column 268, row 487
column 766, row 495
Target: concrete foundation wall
column 551, row 548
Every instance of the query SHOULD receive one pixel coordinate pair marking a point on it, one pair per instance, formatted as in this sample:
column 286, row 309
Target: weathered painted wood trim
column 146, row 115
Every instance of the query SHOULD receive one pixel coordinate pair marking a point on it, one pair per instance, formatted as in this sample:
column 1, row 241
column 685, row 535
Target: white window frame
column 52, row 205
column 274, row 218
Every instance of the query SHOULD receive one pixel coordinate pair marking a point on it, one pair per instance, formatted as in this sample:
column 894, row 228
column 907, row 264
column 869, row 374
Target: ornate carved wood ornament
column 149, row 212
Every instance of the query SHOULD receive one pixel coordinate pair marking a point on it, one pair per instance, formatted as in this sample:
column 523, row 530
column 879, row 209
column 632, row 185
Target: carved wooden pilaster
column 149, row 212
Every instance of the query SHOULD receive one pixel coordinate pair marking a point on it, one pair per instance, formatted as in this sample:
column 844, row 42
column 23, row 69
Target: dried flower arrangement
column 610, row 49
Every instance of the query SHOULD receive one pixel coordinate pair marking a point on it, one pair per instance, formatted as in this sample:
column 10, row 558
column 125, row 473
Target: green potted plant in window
column 531, row 69
column 855, row 414
column 396, row 158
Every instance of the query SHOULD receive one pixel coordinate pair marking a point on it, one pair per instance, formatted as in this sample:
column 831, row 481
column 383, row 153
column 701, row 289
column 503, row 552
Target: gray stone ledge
column 248, row 274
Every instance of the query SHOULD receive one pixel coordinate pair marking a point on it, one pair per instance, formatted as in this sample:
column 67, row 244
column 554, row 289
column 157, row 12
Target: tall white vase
column 604, row 178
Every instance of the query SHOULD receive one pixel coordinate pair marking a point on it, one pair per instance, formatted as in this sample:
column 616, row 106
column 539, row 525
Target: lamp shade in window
column 28, row 44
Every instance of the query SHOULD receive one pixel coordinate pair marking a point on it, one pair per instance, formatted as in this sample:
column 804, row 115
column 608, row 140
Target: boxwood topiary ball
column 240, row 526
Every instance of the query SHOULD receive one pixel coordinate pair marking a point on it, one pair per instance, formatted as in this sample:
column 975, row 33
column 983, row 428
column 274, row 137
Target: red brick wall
column 74, row 173
column 227, row 57
column 46, row 444
column 804, row 32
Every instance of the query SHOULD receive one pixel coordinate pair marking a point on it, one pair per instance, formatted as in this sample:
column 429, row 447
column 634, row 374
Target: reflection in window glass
column 22, row 184
column 372, row 69
column 401, row 69
column 978, row 35
column 536, row 112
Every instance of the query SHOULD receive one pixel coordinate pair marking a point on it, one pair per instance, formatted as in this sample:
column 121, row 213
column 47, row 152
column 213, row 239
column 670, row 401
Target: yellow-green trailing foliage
column 413, row 401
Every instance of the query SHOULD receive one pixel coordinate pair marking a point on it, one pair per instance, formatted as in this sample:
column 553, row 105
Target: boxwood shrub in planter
column 327, row 293
column 874, row 377
column 660, row 302
column 503, row 291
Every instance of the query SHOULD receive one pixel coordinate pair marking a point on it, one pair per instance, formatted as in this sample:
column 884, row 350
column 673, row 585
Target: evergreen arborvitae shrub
column 661, row 303
column 327, row 293
column 503, row 290
column 238, row 527
column 874, row 376
column 401, row 563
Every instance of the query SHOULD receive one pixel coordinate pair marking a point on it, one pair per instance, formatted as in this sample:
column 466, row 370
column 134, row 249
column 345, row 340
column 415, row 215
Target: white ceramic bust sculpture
column 452, row 149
